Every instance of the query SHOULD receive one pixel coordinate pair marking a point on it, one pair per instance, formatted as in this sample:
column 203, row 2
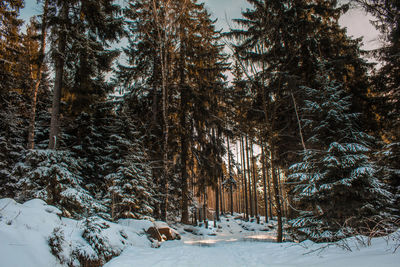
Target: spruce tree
column 199, row 69
column 194, row 82
column 10, row 45
column 15, row 68
column 281, row 44
column 56, row 177
column 81, row 32
column 146, row 78
column 386, row 88
column 337, row 187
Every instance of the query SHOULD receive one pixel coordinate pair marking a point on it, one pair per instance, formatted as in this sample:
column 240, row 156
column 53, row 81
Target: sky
column 356, row 21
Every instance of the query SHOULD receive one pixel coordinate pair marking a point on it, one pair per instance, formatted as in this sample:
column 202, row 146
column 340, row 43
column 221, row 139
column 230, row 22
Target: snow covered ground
column 234, row 246
column 255, row 254
column 25, row 230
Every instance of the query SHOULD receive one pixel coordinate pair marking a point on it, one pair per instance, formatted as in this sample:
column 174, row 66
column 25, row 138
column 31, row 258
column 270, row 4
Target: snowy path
column 230, row 248
column 251, row 254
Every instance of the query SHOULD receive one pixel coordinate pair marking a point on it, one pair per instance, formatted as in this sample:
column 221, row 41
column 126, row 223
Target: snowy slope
column 26, row 228
column 23, row 232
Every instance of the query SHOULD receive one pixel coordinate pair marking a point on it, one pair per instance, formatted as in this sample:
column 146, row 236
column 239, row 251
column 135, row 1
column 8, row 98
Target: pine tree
column 337, row 187
column 16, row 51
column 128, row 182
column 181, row 35
column 10, row 45
column 386, row 89
column 386, row 79
column 115, row 166
column 147, row 79
column 199, row 69
column 282, row 44
column 55, row 177
column 81, row 30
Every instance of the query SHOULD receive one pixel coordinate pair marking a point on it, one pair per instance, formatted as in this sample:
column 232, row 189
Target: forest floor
column 239, row 243
column 25, row 231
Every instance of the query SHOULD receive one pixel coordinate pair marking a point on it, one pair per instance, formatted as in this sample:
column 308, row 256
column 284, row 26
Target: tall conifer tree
column 337, row 186
column 81, row 32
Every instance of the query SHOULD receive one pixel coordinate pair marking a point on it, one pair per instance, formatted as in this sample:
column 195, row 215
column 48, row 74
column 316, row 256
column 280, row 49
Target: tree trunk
column 269, row 191
column 216, row 185
column 217, row 201
column 229, row 176
column 254, row 179
column 184, row 132
column 277, row 196
column 32, row 115
column 245, row 181
column 249, row 176
column 205, row 204
column 162, row 34
column 58, row 82
column 238, row 184
column 222, row 198
column 264, row 182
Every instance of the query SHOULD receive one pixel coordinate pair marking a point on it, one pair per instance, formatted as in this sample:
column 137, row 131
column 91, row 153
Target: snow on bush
column 55, row 177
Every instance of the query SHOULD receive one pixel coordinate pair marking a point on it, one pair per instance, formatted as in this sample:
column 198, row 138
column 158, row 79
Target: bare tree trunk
column 277, row 196
column 229, row 176
column 282, row 191
column 264, row 182
column 32, row 115
column 222, row 198
column 249, row 175
column 216, row 186
column 238, row 199
column 254, row 179
column 217, row 201
column 269, row 187
column 205, row 204
column 184, row 131
column 58, row 82
column 244, row 179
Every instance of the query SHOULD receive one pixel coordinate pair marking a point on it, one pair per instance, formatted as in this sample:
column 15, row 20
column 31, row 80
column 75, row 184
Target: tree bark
column 184, row 132
column 229, row 176
column 216, row 185
column 249, row 176
column 245, row 180
column 264, row 182
column 254, row 179
column 277, row 197
column 58, row 81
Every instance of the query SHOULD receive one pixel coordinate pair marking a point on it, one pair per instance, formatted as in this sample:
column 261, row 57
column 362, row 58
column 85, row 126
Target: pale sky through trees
column 356, row 21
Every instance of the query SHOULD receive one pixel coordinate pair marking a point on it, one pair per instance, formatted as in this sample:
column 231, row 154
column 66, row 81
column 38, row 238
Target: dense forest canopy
column 127, row 112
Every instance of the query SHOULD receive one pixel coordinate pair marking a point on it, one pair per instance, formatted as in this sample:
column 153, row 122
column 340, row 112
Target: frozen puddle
column 211, row 241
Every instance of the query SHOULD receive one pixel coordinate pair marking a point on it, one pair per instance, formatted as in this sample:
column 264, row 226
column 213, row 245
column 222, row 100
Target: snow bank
column 25, row 231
